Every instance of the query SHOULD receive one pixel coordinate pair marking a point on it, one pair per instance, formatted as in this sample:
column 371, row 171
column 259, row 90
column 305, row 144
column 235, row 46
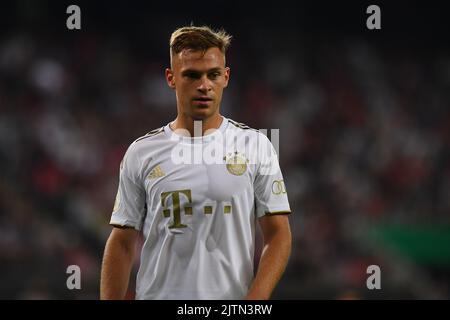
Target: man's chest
column 208, row 182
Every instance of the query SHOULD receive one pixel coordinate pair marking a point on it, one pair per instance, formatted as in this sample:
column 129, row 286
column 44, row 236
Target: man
column 198, row 218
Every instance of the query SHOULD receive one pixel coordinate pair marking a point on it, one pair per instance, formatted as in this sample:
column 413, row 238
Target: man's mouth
column 202, row 102
column 203, row 99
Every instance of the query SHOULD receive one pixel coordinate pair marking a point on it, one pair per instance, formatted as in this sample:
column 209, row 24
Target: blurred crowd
column 364, row 141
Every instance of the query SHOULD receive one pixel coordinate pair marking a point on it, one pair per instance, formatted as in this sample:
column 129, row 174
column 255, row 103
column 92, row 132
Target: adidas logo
column 156, row 173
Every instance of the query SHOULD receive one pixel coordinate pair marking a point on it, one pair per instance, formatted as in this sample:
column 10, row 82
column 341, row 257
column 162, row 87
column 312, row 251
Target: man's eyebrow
column 215, row 69
column 190, row 71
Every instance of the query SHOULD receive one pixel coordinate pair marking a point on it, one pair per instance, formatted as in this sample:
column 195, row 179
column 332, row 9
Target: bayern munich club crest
column 236, row 163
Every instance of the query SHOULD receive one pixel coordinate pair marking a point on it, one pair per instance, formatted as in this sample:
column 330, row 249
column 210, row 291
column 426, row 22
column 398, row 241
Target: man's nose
column 204, row 85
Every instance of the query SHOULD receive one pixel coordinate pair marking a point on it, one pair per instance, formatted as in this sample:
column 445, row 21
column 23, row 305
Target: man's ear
column 170, row 78
column 227, row 76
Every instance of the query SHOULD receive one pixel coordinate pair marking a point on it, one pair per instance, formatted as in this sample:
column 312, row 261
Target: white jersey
column 197, row 212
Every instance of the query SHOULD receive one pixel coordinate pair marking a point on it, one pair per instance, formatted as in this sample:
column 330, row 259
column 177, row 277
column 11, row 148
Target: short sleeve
column 129, row 207
column 270, row 190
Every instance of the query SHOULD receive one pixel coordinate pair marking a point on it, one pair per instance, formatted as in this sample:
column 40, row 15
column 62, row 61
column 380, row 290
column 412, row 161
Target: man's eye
column 214, row 75
column 192, row 75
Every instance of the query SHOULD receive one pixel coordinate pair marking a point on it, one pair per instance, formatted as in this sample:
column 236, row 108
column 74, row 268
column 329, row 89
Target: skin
column 275, row 255
column 117, row 263
column 193, row 75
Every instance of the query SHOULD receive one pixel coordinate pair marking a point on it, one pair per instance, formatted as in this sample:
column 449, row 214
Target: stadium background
column 364, row 128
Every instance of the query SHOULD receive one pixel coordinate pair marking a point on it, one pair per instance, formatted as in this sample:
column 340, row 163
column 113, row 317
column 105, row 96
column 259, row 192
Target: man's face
column 198, row 80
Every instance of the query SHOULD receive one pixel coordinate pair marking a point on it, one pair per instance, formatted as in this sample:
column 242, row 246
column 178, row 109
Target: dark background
column 364, row 134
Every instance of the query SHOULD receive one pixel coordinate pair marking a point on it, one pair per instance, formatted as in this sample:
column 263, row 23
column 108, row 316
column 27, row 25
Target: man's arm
column 274, row 258
column 117, row 262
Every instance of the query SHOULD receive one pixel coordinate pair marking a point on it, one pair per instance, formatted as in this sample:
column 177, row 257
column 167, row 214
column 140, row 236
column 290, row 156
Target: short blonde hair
column 198, row 38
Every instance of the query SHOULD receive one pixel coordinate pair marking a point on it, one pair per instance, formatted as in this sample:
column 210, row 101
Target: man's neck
column 196, row 126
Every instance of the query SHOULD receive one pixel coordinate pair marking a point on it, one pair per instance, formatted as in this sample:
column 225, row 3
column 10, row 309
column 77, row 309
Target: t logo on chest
column 176, row 207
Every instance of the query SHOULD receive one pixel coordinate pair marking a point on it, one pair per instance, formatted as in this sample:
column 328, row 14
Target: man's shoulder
column 241, row 129
column 151, row 134
column 152, row 138
column 241, row 126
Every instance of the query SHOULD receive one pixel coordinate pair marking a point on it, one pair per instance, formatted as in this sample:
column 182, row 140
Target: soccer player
column 198, row 217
